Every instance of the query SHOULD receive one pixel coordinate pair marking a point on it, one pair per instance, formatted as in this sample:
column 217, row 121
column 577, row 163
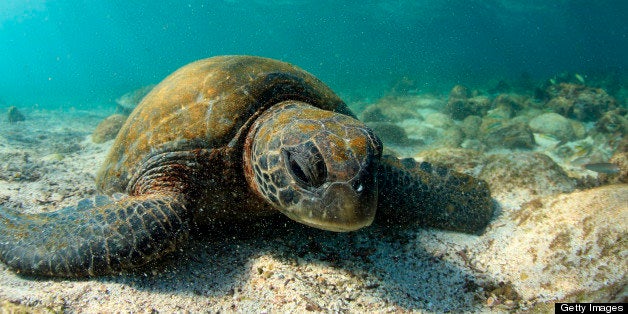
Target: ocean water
column 528, row 97
column 59, row 52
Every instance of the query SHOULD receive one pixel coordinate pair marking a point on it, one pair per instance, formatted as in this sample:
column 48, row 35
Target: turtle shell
column 207, row 104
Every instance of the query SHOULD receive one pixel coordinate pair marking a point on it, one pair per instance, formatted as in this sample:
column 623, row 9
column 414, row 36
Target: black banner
column 589, row 308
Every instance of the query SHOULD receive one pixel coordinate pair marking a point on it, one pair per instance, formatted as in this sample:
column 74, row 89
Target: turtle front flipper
column 433, row 196
column 97, row 236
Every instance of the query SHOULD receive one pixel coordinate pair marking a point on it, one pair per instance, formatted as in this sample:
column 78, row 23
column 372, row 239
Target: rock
column 614, row 121
column 480, row 105
column 620, row 159
column 535, row 173
column 128, row 102
column 471, row 126
column 579, row 129
column 457, row 108
column 560, row 104
column 108, row 128
column 439, row 120
column 388, row 109
column 580, row 102
column 459, row 92
column 473, row 144
column 437, row 130
column 521, row 119
column 510, row 103
column 451, row 137
column 502, row 113
column 392, row 134
column 14, row 115
column 424, row 132
column 553, row 124
column 506, row 106
column 505, row 133
column 623, row 144
column 460, row 159
column 532, row 103
column 427, row 102
column 460, row 108
column 458, row 105
column 563, row 245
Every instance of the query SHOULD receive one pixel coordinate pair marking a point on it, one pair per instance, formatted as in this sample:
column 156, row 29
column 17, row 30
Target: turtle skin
column 236, row 137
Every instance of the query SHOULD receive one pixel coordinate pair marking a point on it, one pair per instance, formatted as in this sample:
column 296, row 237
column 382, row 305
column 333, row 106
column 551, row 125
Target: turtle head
column 316, row 166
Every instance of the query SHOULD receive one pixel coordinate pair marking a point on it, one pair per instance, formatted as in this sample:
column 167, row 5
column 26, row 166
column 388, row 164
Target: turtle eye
column 306, row 164
column 358, row 186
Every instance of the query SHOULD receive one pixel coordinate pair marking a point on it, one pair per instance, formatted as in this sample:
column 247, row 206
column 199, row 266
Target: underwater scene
column 281, row 156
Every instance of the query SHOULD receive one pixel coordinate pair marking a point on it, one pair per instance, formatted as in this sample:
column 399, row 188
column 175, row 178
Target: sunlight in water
column 19, row 10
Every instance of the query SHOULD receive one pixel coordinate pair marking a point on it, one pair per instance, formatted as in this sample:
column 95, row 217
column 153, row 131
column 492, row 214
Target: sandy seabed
column 48, row 162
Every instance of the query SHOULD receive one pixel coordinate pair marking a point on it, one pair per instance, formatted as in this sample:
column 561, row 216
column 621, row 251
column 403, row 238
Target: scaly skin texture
column 321, row 166
column 98, row 236
column 428, row 195
column 198, row 149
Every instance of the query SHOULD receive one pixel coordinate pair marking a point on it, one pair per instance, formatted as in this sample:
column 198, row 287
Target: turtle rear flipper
column 433, row 196
column 97, row 236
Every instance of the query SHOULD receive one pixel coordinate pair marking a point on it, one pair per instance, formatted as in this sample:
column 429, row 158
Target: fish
column 602, row 167
column 583, row 149
column 579, row 78
column 548, row 137
column 494, row 125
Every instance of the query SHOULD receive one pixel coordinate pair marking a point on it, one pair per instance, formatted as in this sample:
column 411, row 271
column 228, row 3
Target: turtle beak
column 342, row 208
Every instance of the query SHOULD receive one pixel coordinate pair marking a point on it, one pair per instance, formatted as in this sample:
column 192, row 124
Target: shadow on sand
column 390, row 263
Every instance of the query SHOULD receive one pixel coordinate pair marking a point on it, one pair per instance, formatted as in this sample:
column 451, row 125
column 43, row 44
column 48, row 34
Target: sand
column 276, row 265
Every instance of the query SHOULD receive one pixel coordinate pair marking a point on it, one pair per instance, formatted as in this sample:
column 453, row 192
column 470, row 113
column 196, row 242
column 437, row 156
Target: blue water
column 90, row 52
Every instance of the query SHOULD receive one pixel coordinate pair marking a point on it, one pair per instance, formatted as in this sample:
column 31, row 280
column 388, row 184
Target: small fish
column 583, row 150
column 603, row 167
column 553, row 81
column 494, row 125
column 579, row 78
column 548, row 137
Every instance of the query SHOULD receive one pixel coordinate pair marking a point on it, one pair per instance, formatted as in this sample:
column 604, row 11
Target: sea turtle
column 235, row 137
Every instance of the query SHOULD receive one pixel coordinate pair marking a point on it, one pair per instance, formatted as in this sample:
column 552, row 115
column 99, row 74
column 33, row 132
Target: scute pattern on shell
column 203, row 105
